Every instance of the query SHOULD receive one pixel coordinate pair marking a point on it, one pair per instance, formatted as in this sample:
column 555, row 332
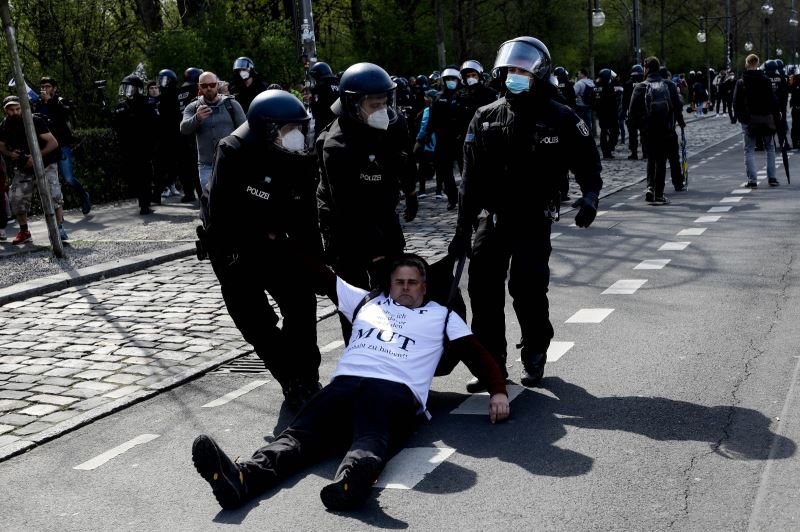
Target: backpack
column 659, row 114
column 587, row 96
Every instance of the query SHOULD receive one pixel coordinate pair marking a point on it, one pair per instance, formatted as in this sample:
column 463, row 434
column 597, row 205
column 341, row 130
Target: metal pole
column 637, row 48
column 591, row 39
column 766, row 38
column 30, row 132
column 307, row 37
column 728, row 36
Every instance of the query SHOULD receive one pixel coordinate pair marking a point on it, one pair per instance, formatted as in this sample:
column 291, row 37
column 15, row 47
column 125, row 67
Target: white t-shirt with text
column 394, row 342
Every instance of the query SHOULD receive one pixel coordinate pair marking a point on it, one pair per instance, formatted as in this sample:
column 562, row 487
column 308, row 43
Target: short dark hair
column 412, row 260
column 652, row 63
column 584, row 72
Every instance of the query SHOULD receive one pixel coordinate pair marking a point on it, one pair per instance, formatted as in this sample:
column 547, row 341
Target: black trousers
column 674, row 158
column 609, row 133
column 425, row 170
column 520, row 251
column 659, row 148
column 366, row 417
column 795, row 127
column 443, row 157
column 291, row 351
column 633, row 140
column 138, row 171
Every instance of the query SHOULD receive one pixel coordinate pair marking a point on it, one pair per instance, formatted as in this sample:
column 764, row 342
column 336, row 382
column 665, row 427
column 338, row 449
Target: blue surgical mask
column 517, row 83
column 451, row 84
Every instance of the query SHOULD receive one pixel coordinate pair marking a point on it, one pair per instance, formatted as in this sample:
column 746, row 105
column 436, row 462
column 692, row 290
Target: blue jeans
column 204, row 170
column 750, row 155
column 65, row 167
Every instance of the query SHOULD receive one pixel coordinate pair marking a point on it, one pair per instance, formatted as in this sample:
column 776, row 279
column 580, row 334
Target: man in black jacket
column 514, row 152
column 755, row 106
column 655, row 108
column 364, row 162
column 324, row 92
column 445, row 121
column 264, row 179
column 246, row 83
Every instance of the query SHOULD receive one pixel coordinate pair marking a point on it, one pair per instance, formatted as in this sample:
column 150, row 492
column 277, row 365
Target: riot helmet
column 243, row 63
column 192, row 75
column 525, row 53
column 320, row 71
column 771, row 66
column 435, row 76
column 637, row 70
column 167, row 78
column 367, row 94
column 454, row 76
column 131, row 86
column 278, row 117
column 471, row 71
column 605, row 75
column 422, row 82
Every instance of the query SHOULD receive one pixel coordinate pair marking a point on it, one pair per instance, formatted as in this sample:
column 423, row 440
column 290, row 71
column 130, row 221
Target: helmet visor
column 164, row 81
column 242, row 63
column 128, row 90
column 520, row 54
column 294, row 137
column 363, row 105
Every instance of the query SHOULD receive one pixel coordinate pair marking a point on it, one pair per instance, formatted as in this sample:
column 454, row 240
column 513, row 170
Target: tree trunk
column 191, row 10
column 150, row 13
column 440, row 51
column 359, row 29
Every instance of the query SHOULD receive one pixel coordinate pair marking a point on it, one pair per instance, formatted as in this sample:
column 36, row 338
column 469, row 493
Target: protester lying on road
column 377, row 391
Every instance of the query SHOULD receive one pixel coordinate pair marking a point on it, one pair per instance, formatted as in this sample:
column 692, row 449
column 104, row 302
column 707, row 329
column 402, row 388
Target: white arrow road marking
column 410, row 465
column 101, row 459
column 674, row 246
column 478, row 404
column 230, row 396
column 590, row 315
column 694, row 231
column 331, row 346
column 707, row 219
column 652, row 264
column 625, row 286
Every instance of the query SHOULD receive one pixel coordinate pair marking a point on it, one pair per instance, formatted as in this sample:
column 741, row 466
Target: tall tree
column 150, row 13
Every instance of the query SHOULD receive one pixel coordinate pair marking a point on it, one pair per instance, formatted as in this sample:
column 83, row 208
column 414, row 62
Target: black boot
column 225, row 477
column 533, row 368
column 351, row 486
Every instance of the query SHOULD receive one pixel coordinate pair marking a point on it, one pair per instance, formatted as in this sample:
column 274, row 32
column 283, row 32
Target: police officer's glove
column 461, row 244
column 587, row 209
column 412, row 206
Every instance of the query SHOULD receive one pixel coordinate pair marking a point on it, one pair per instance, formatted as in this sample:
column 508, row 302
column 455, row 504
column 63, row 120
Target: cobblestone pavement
column 71, row 356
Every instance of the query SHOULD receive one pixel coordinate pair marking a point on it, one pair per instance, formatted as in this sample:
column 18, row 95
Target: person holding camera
column 14, row 147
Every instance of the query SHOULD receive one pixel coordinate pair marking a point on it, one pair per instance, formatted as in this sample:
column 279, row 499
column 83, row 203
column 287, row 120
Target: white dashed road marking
column 742, row 191
column 707, row 219
column 590, row 315
column 554, row 235
column 674, row 246
column 228, row 397
column 412, row 464
column 617, row 205
column 478, row 404
column 558, row 350
column 731, row 199
column 652, row 264
column 101, row 459
column 625, row 286
column 635, row 196
column 720, row 209
column 694, row 231
column 331, row 346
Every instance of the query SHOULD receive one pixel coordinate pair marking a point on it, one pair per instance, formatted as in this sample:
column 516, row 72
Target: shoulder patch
column 583, row 128
column 469, row 137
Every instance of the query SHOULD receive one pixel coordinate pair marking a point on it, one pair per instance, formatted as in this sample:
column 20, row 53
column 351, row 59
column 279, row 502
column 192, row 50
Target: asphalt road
column 679, row 409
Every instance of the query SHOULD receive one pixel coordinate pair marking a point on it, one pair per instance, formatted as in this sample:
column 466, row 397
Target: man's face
column 47, row 90
column 13, row 110
column 371, row 104
column 153, row 91
column 209, row 86
column 407, row 288
column 472, row 75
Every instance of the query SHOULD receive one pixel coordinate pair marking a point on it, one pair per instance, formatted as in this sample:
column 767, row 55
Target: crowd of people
column 299, row 195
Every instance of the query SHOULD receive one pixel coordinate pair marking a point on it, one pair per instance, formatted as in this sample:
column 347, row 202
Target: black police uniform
column 246, row 94
column 634, row 131
column 187, row 148
column 260, row 220
column 566, row 90
column 514, row 151
column 794, row 105
column 469, row 99
column 135, row 121
column 362, row 171
column 166, row 163
column 781, row 89
column 323, row 94
column 445, row 121
column 607, row 104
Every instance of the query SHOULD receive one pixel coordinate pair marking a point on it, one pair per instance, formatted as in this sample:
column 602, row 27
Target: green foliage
column 98, row 166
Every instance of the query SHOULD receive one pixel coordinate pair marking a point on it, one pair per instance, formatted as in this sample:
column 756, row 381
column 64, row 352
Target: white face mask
column 244, row 74
column 472, row 81
column 294, row 141
column 379, row 119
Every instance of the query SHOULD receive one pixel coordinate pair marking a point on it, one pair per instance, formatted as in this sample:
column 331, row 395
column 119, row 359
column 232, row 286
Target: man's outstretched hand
column 499, row 409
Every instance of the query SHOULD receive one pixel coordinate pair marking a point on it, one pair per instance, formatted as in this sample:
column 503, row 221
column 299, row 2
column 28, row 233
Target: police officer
column 187, row 154
column 246, row 83
column 773, row 69
column 324, row 91
column 514, row 151
column 794, row 104
column 166, row 163
column 134, row 120
column 634, row 131
column 364, row 163
column 474, row 93
column 264, row 180
column 607, row 102
column 566, row 89
column 445, row 121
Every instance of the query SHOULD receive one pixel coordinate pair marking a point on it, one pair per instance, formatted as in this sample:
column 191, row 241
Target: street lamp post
column 794, row 22
column 596, row 18
column 637, row 48
column 766, row 10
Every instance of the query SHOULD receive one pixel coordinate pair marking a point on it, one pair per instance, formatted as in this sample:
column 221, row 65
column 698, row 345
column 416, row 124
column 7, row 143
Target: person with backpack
column 211, row 117
column 755, row 107
column 656, row 108
column 374, row 400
